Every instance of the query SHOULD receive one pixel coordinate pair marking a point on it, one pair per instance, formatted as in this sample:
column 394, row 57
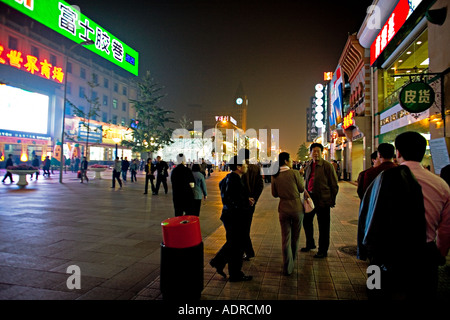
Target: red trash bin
column 181, row 272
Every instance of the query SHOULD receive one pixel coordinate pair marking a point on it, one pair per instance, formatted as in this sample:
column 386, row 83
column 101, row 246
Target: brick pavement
column 114, row 236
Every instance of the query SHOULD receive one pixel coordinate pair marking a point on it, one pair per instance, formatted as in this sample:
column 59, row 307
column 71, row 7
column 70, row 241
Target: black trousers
column 248, row 246
column 183, row 206
column 116, row 176
column 162, row 180
column 233, row 249
column 151, row 178
column 323, row 220
column 8, row 174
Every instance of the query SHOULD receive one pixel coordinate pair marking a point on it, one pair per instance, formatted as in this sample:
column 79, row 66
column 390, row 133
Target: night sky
column 200, row 50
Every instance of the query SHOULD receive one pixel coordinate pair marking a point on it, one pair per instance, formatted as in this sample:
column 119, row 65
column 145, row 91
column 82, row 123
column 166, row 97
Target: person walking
column 149, row 175
column 9, row 163
column 322, row 185
column 116, row 173
column 162, row 174
column 83, row 168
column 37, row 165
column 125, row 166
column 199, row 189
column 46, row 167
column 288, row 185
column 236, row 203
column 134, row 167
column 255, row 184
column 183, row 184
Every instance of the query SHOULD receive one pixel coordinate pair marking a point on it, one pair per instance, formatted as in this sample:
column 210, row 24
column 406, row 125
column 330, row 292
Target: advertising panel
column 336, row 98
column 61, row 17
column 23, row 111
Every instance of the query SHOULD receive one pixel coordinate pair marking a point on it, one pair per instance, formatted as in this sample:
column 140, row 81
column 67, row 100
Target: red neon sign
column 31, row 64
column 349, row 120
column 390, row 28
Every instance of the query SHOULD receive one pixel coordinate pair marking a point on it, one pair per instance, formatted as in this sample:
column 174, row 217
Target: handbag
column 308, row 204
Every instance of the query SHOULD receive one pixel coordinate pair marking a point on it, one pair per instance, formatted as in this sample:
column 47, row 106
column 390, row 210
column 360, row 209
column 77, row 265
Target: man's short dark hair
column 235, row 162
column 315, row 145
column 411, row 145
column 386, row 150
column 374, row 155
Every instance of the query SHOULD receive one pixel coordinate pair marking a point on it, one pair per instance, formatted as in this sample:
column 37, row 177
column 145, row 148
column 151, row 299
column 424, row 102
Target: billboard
column 23, row 111
column 336, row 98
column 68, row 21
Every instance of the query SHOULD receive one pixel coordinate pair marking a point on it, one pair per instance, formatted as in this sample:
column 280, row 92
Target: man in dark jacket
column 386, row 153
column 162, row 173
column 236, row 202
column 9, row 163
column 183, row 184
column 391, row 230
column 254, row 182
column 322, row 185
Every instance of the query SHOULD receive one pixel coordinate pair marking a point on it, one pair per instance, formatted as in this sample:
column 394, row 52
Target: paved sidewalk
column 114, row 236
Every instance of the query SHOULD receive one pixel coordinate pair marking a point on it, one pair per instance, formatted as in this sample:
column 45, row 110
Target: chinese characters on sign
column 42, row 68
column 391, row 27
column 416, row 97
column 349, row 120
column 68, row 21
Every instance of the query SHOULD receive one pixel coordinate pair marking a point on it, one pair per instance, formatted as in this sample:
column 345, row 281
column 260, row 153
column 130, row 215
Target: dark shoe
column 219, row 269
column 307, row 249
column 145, row 192
column 154, row 193
column 320, row 255
column 241, row 278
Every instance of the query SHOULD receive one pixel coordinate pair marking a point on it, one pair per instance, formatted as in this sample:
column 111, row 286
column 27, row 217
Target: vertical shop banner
column 336, row 98
column 71, row 23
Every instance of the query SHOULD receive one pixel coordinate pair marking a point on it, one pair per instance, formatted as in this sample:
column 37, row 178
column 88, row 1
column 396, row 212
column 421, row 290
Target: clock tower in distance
column 240, row 105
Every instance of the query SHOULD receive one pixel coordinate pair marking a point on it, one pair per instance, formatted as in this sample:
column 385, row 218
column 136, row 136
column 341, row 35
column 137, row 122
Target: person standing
column 37, row 165
column 199, row 189
column 116, row 173
column 9, row 163
column 360, row 190
column 149, row 171
column 322, row 185
column 125, row 166
column 385, row 155
column 133, row 169
column 83, row 168
column 236, row 202
column 162, row 174
column 183, row 184
column 255, row 184
column 288, row 185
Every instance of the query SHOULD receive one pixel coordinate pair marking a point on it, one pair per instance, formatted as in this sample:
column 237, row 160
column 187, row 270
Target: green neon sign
column 416, row 97
column 68, row 21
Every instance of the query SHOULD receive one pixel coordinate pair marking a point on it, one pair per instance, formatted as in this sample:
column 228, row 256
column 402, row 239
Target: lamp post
column 116, row 140
column 84, row 43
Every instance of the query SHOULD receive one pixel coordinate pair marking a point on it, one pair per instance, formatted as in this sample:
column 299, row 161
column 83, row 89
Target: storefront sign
column 66, row 20
column 327, row 76
column 396, row 117
column 95, row 132
column 349, row 120
column 226, row 119
column 416, row 97
column 390, row 28
column 31, row 64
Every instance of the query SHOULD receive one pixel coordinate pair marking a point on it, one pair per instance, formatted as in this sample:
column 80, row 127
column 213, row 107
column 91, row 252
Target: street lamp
column 84, row 43
column 116, row 140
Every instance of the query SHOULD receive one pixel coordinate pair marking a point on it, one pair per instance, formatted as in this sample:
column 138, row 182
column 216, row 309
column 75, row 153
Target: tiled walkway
column 114, row 236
